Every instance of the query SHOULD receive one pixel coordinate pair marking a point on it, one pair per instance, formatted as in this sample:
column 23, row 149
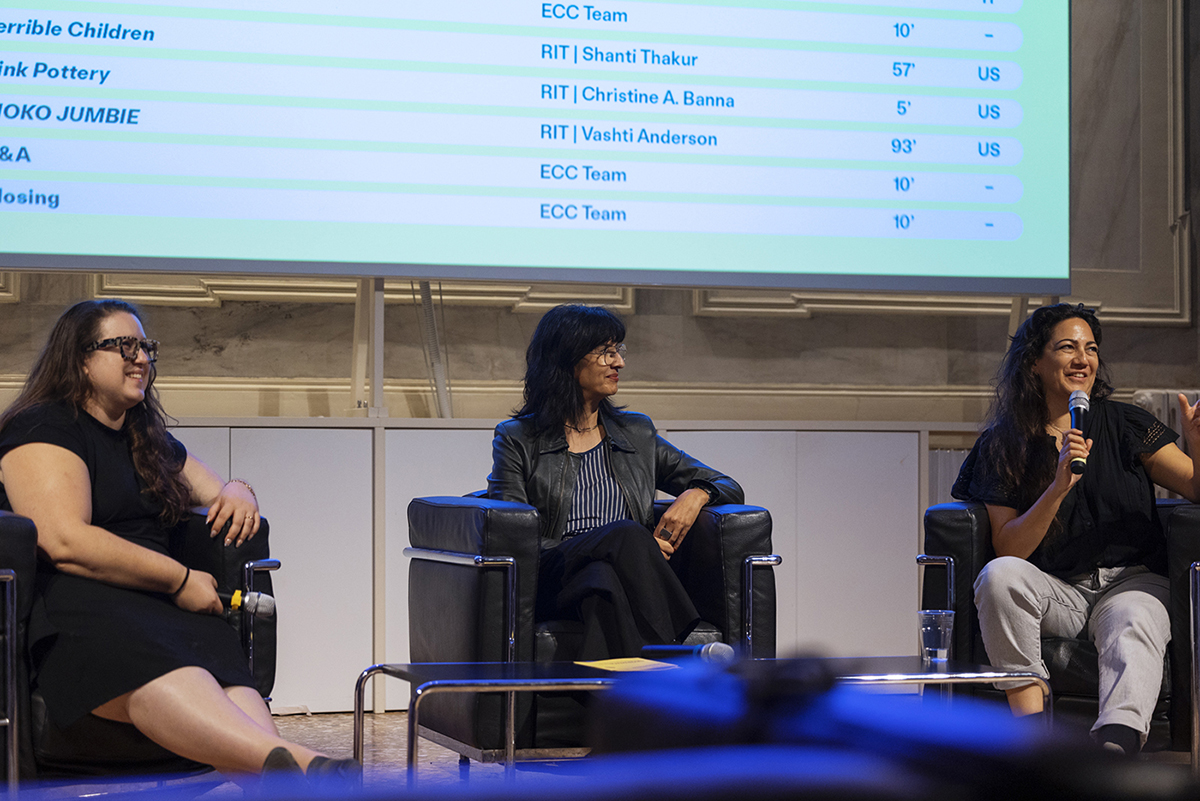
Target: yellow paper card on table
column 628, row 664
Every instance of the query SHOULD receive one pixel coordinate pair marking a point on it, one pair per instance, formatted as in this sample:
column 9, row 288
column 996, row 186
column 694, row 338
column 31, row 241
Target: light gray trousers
column 1124, row 611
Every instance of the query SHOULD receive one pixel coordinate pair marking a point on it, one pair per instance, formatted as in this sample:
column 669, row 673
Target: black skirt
column 91, row 642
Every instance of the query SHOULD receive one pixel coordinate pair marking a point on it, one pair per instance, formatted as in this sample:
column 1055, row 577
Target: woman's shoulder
column 52, row 414
column 630, row 421
column 977, row 477
column 55, row 422
column 1139, row 428
column 522, row 427
column 1118, row 413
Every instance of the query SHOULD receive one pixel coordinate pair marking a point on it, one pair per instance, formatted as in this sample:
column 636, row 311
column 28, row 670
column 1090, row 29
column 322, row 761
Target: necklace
column 583, row 430
column 1061, row 433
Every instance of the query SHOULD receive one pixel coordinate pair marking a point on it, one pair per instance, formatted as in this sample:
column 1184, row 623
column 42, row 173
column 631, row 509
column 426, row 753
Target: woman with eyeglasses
column 591, row 470
column 120, row 629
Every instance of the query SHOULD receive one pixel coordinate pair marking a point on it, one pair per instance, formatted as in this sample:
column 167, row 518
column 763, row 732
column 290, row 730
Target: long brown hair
column 58, row 375
column 1018, row 416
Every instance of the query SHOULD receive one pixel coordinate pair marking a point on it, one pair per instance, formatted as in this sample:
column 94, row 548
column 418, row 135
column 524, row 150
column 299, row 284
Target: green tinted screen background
column 907, row 145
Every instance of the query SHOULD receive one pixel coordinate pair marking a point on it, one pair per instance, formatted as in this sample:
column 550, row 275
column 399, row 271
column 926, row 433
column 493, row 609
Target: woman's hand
column 199, row 594
column 236, row 503
column 677, row 521
column 1189, row 418
column 1073, row 447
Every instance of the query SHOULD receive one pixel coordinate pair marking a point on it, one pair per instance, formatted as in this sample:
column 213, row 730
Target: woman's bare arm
column 50, row 485
column 1020, row 535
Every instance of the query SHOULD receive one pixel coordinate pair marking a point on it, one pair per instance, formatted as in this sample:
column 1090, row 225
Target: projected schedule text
column 620, row 116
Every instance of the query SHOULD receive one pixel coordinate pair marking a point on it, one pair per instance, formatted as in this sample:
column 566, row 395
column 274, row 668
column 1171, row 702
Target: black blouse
column 1108, row 519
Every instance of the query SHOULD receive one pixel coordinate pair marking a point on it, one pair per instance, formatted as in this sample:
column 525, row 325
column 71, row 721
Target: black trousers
column 616, row 581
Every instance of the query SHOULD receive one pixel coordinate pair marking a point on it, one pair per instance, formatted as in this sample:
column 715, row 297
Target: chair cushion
column 1074, row 669
column 94, row 746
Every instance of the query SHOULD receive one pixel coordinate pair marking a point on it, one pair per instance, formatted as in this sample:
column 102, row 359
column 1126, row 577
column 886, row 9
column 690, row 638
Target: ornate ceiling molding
column 212, row 291
column 10, row 287
column 785, row 303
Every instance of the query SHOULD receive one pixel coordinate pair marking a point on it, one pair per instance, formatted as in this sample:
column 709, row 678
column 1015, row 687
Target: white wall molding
column 785, row 303
column 628, row 388
column 10, row 287
column 166, row 289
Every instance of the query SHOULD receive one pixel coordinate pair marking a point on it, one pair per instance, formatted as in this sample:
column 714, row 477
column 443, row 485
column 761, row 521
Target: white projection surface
column 841, row 144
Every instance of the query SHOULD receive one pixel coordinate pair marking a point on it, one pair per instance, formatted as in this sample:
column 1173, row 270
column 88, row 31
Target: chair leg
column 748, row 566
column 1193, row 605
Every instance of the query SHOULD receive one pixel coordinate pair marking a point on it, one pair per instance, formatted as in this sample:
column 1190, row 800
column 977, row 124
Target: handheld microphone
column 709, row 652
column 1079, row 404
column 258, row 604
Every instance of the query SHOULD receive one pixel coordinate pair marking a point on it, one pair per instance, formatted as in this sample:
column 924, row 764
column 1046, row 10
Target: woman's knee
column 626, row 534
column 1003, row 579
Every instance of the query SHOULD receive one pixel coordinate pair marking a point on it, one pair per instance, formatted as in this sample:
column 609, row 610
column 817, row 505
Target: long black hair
column 564, row 335
column 1018, row 416
column 58, row 375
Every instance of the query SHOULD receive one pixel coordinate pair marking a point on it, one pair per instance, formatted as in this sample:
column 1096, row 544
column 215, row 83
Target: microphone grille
column 260, row 604
column 717, row 652
column 1079, row 400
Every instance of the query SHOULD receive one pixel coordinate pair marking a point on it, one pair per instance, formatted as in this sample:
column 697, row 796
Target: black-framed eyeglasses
column 129, row 347
column 609, row 353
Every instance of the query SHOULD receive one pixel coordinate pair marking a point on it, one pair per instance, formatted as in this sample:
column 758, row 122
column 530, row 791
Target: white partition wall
column 421, row 463
column 764, row 463
column 315, row 487
column 846, row 514
column 859, row 512
column 845, row 500
column 209, row 445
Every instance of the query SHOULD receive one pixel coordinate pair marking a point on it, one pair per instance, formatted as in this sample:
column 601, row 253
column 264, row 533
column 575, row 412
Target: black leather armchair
column 963, row 532
column 470, row 553
column 94, row 746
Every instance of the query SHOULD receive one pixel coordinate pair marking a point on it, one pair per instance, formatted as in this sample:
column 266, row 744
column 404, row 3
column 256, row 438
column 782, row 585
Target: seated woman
column 120, row 629
column 1076, row 552
column 591, row 470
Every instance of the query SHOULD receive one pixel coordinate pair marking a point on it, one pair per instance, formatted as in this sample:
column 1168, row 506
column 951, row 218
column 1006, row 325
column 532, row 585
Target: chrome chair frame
column 9, row 722
column 248, row 572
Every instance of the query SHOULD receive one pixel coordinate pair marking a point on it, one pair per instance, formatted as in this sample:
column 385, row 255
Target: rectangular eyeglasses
column 129, row 347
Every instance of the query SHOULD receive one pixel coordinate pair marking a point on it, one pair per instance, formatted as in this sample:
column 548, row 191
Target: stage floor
column 385, row 741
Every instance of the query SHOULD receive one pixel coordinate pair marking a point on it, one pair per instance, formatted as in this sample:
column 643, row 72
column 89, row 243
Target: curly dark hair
column 1018, row 416
column 58, row 375
column 564, row 335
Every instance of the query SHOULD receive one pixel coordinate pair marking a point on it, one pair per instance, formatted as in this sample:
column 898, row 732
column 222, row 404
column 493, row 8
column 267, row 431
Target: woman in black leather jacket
column 591, row 470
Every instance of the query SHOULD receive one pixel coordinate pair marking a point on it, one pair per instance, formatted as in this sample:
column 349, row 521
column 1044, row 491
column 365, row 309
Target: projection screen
column 917, row 145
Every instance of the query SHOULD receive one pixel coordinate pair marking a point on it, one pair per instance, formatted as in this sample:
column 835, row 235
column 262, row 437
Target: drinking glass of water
column 937, row 630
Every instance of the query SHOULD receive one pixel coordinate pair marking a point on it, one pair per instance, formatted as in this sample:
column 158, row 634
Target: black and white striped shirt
column 597, row 500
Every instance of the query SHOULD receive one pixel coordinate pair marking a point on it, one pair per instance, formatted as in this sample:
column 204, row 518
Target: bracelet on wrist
column 245, row 484
column 187, row 575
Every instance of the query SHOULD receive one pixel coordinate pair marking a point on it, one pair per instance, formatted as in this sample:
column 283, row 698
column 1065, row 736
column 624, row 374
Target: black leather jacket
column 537, row 469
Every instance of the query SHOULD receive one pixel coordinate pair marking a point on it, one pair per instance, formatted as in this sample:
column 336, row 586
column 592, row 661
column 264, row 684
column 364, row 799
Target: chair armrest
column 962, row 531
column 459, row 609
column 192, row 545
column 18, row 552
column 711, row 562
column 1181, row 525
column 473, row 525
